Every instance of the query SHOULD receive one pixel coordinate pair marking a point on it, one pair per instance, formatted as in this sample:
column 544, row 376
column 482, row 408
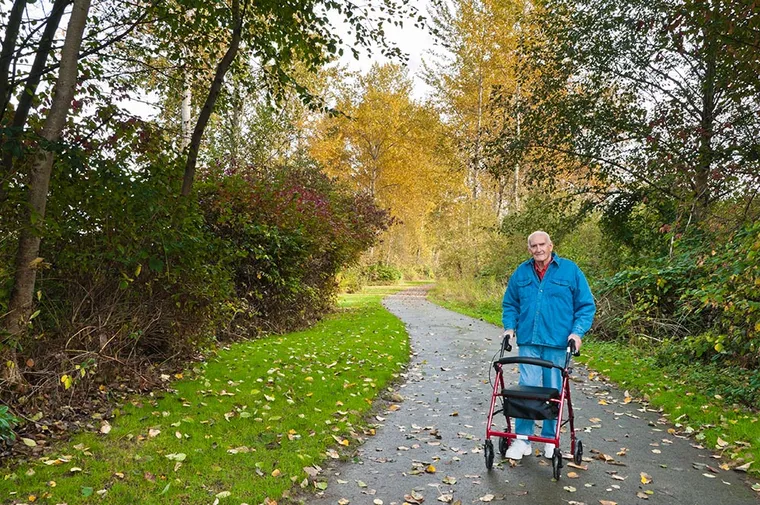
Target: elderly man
column 547, row 303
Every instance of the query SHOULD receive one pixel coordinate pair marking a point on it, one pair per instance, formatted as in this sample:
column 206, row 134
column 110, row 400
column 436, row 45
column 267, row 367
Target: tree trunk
column 187, row 98
column 702, row 193
column 6, row 54
column 20, row 304
column 213, row 94
column 30, row 86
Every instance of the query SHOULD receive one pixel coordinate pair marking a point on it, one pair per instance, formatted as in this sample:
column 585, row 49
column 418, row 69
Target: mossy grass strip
column 241, row 426
column 677, row 390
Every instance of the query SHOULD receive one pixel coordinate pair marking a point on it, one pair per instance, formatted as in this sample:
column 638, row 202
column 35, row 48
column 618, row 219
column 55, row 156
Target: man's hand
column 575, row 338
column 505, row 338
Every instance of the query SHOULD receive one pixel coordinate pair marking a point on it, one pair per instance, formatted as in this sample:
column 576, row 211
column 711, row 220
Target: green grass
column 245, row 422
column 679, row 390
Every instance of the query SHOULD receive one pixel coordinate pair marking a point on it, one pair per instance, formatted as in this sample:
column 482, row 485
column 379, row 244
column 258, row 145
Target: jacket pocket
column 559, row 288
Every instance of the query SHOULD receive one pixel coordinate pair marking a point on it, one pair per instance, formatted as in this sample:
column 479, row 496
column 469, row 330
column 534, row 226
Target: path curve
column 441, row 423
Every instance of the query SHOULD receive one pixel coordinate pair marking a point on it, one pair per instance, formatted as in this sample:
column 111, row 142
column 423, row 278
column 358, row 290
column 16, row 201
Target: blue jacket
column 546, row 312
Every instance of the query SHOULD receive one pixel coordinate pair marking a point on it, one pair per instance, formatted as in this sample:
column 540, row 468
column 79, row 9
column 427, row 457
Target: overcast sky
column 411, row 40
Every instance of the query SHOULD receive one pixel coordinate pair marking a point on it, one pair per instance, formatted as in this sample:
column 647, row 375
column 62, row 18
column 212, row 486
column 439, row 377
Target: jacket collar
column 555, row 259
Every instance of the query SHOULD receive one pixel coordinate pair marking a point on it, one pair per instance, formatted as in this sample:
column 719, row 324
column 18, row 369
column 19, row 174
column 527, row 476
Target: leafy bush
column 134, row 271
column 287, row 233
column 7, row 422
column 726, row 298
column 380, row 273
column 644, row 302
column 702, row 300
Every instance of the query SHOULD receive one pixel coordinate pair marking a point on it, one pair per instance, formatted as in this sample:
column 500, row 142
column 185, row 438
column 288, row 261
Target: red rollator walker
column 531, row 402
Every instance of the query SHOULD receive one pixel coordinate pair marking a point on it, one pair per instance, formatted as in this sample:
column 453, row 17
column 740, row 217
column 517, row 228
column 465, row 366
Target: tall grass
column 481, row 298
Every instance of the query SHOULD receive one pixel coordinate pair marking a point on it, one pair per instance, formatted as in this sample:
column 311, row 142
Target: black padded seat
column 528, row 392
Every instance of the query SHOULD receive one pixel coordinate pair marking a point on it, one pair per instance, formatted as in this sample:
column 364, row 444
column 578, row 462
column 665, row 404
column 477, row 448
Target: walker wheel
column 503, row 446
column 488, row 450
column 578, row 454
column 556, row 463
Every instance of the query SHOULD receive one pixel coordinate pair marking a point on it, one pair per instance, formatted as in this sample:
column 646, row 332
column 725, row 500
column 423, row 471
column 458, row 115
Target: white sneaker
column 548, row 451
column 517, row 449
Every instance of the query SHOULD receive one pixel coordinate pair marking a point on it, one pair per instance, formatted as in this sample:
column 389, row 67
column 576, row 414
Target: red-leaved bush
column 287, row 233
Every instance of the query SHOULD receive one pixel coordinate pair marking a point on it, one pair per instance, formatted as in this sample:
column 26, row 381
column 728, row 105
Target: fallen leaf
column 572, row 475
column 152, row 433
column 449, row 480
column 744, row 467
column 29, row 442
column 414, row 498
column 569, row 489
column 579, row 467
column 446, row 498
column 608, row 502
column 344, row 501
column 105, row 428
column 430, row 469
column 645, row 478
column 641, row 495
column 488, row 497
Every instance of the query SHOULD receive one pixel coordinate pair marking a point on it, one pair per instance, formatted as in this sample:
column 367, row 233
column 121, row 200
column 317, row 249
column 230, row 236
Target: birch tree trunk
column 27, row 262
column 187, row 98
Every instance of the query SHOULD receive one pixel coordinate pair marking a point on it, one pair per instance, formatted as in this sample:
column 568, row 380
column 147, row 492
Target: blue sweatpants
column 533, row 375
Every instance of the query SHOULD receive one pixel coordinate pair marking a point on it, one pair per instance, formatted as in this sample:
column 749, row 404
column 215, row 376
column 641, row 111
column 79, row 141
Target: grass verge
column 242, row 427
column 678, row 390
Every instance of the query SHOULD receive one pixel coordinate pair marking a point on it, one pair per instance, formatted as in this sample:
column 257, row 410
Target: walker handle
column 525, row 360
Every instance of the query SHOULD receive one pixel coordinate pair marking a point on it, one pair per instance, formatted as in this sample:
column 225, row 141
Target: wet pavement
column 429, row 444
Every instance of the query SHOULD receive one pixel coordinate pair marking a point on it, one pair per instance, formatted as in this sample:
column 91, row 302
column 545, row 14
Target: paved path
column 441, row 424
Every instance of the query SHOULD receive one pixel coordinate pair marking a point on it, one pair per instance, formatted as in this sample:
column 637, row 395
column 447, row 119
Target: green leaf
column 156, row 265
column 87, row 491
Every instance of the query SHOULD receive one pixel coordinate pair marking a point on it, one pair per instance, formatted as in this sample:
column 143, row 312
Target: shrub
column 134, row 271
column 7, row 422
column 380, row 273
column 725, row 296
column 287, row 233
column 703, row 300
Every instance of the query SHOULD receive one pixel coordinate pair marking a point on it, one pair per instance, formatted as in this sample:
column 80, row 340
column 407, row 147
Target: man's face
column 540, row 248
